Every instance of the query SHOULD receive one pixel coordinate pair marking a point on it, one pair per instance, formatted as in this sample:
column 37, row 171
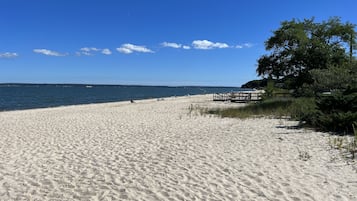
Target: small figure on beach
column 132, row 101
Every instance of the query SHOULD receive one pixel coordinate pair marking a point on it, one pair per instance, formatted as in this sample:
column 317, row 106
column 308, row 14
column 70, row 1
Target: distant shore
column 162, row 149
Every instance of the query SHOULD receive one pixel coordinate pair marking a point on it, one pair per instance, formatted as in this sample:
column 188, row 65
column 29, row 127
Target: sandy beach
column 162, row 150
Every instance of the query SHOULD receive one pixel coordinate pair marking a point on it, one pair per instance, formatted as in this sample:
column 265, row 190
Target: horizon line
column 133, row 85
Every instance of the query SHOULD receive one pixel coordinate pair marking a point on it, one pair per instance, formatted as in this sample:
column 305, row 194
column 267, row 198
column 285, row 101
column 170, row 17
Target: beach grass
column 301, row 109
column 275, row 107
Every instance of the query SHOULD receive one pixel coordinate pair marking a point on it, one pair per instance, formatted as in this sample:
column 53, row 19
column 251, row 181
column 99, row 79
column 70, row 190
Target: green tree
column 298, row 47
column 335, row 77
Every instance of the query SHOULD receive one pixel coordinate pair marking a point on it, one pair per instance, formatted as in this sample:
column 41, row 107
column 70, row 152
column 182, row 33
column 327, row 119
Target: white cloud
column 88, row 49
column 8, row 55
column 245, row 45
column 248, row 45
column 85, row 53
column 85, row 49
column 186, row 47
column 124, row 50
column 207, row 45
column 130, row 48
column 106, row 51
column 173, row 45
column 49, row 52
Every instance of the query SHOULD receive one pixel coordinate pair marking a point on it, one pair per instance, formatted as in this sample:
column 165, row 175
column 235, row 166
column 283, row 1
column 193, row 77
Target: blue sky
column 157, row 42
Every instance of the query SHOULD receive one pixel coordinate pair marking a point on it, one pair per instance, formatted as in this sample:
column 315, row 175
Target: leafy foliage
column 304, row 109
column 337, row 112
column 300, row 46
column 335, row 77
column 311, row 58
column 255, row 84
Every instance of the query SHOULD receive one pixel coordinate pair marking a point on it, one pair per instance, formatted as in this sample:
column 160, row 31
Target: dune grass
column 276, row 107
column 301, row 109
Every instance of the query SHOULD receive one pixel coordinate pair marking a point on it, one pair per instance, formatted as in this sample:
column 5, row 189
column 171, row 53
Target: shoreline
column 112, row 102
column 44, row 96
column 159, row 150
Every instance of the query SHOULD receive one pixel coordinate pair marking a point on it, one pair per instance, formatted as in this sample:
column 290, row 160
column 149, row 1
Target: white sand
column 158, row 150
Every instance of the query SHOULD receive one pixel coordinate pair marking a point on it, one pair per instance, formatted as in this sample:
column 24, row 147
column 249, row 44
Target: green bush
column 338, row 111
column 304, row 109
column 335, row 112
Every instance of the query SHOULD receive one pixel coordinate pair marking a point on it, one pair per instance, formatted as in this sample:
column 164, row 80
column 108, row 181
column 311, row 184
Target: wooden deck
column 238, row 97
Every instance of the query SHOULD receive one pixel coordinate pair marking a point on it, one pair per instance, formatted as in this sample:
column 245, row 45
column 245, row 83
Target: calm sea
column 29, row 96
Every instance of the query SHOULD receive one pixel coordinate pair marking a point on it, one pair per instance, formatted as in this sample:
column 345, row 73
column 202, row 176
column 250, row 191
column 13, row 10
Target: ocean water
column 29, row 96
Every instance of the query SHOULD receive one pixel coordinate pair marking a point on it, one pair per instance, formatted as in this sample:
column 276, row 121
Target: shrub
column 338, row 111
column 304, row 109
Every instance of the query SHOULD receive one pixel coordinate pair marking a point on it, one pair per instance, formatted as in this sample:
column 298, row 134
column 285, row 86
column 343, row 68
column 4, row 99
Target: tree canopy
column 298, row 47
column 311, row 58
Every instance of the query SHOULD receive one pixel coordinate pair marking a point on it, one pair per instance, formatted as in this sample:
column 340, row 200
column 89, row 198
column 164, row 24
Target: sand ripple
column 156, row 150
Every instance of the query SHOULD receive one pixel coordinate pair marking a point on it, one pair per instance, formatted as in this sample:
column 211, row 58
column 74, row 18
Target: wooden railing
column 238, row 96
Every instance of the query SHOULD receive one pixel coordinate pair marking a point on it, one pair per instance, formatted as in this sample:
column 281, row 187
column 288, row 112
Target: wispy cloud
column 84, row 53
column 186, row 47
column 248, row 45
column 207, row 45
column 130, row 48
column 124, row 50
column 8, row 55
column 106, row 51
column 90, row 51
column 49, row 52
column 173, row 45
column 245, row 45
